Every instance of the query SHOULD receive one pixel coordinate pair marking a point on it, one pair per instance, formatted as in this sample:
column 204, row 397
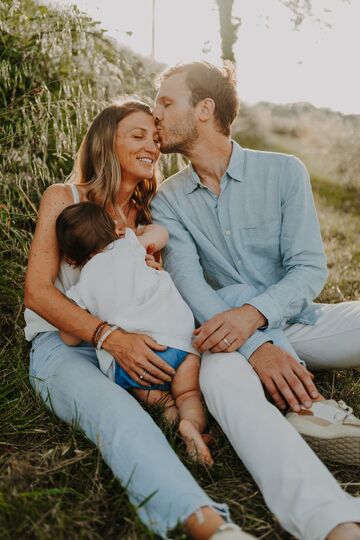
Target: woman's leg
column 72, row 386
column 237, row 295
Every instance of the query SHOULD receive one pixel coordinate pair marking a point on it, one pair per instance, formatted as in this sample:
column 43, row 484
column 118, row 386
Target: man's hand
column 135, row 353
column 227, row 331
column 284, row 378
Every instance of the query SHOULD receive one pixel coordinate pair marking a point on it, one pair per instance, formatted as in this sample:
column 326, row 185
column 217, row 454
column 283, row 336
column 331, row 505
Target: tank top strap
column 75, row 192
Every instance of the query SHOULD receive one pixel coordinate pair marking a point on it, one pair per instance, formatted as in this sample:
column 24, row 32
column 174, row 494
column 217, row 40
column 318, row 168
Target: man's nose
column 157, row 114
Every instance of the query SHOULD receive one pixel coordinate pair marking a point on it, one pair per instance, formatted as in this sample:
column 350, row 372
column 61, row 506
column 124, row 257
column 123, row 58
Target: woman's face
column 137, row 146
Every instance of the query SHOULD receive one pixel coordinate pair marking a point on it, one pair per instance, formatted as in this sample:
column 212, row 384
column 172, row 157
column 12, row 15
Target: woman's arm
column 44, row 260
column 134, row 352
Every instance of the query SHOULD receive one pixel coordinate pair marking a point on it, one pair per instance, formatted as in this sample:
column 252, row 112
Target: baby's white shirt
column 117, row 286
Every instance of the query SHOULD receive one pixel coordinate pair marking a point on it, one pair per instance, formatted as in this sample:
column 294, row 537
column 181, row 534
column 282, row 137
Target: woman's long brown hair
column 98, row 167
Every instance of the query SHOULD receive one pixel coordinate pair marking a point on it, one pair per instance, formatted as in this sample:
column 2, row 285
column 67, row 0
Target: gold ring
column 143, row 374
column 226, row 341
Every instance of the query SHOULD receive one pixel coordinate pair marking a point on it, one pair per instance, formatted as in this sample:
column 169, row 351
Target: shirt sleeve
column 181, row 260
column 301, row 248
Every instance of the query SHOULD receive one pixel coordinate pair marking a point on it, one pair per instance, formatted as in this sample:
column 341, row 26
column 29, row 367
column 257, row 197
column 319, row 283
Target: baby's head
column 82, row 230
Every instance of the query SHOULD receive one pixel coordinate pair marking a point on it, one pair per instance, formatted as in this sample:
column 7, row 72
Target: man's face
column 175, row 116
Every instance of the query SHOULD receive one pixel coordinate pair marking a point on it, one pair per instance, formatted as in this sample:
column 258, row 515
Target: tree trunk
column 228, row 29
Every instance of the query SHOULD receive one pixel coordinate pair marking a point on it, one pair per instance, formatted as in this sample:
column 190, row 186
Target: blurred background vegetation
column 57, row 70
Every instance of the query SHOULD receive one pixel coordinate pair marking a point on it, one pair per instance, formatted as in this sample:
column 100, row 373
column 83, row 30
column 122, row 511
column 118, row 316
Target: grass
column 53, row 481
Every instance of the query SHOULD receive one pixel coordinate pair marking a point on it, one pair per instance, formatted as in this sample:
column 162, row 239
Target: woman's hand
column 135, row 354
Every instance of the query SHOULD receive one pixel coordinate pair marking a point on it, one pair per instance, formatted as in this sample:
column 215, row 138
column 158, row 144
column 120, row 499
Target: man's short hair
column 205, row 80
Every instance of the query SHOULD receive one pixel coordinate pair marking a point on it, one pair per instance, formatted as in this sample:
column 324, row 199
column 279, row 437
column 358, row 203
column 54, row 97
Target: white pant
column 296, row 486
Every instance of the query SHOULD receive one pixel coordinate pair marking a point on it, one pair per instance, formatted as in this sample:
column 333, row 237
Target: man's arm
column 301, row 249
column 182, row 262
column 303, row 260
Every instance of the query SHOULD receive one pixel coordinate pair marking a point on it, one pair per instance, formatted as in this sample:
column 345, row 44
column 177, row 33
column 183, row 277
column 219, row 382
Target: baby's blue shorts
column 174, row 357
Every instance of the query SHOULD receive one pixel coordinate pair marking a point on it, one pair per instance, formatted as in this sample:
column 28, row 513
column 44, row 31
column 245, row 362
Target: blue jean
column 238, row 294
column 71, row 384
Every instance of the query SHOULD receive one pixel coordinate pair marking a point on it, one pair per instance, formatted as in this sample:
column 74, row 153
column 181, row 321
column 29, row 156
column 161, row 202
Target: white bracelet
column 105, row 335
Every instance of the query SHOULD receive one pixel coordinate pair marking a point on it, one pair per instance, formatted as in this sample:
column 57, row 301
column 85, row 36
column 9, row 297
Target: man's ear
column 206, row 108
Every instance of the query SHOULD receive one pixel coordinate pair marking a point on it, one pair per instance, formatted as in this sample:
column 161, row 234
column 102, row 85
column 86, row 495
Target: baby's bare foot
column 171, row 414
column 195, row 444
column 345, row 531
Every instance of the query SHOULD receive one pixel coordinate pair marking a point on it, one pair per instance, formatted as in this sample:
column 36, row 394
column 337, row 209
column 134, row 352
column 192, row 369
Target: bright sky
column 317, row 64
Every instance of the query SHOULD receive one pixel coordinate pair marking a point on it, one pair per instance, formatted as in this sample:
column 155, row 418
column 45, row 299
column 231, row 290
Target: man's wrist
column 264, row 347
column 260, row 319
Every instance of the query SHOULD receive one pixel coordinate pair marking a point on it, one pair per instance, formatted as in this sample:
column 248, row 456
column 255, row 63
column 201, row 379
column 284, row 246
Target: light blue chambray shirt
column 262, row 230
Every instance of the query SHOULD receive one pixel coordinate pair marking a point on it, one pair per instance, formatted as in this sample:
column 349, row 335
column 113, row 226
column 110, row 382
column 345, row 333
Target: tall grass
column 57, row 70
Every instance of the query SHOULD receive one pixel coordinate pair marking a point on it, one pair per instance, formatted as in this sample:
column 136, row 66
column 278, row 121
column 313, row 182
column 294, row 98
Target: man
column 244, row 222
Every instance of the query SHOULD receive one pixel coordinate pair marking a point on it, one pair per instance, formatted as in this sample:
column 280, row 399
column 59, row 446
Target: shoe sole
column 344, row 450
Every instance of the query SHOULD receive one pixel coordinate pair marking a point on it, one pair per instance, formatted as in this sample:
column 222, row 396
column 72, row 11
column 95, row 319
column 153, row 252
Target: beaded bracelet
column 96, row 334
column 105, row 335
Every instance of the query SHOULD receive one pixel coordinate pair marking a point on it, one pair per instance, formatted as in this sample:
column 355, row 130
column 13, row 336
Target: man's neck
column 210, row 159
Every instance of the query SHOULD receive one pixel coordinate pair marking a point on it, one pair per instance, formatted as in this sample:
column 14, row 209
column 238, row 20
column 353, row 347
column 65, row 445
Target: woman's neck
column 125, row 193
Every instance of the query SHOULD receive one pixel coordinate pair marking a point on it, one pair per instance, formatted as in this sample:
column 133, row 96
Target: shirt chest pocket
column 262, row 237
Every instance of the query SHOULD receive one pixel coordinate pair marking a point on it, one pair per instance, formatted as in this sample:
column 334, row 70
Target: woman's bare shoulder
column 54, row 199
column 57, row 195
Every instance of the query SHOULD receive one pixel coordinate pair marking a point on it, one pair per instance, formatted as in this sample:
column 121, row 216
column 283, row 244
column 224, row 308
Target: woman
column 115, row 170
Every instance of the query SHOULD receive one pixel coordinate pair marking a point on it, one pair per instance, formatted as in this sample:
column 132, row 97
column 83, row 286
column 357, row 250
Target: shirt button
column 227, row 232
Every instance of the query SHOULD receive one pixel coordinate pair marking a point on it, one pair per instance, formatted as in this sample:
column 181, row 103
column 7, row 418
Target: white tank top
column 66, row 278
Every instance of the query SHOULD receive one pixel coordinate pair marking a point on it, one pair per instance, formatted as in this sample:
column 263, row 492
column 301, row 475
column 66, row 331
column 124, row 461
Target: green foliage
column 57, row 70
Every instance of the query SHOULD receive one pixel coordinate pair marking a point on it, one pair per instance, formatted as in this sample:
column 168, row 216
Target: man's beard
column 182, row 137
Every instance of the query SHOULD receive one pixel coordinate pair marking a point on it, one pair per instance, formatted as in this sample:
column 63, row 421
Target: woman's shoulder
column 58, row 193
column 58, row 196
column 54, row 199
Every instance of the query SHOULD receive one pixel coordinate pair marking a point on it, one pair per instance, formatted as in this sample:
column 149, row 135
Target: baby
column 117, row 285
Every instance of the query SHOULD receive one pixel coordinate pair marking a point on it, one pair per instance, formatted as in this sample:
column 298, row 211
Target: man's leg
column 333, row 342
column 296, row 486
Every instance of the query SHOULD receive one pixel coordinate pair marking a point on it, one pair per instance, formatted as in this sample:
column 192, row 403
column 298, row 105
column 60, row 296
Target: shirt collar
column 235, row 169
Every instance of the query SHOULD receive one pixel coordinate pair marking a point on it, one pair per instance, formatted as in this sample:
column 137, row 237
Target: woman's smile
column 137, row 146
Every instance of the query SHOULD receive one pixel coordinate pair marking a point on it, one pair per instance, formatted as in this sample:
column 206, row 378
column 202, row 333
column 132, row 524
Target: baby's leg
column 186, row 391
column 158, row 397
column 237, row 295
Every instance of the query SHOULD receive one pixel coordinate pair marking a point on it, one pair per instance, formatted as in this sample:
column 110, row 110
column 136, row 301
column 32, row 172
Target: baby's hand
column 150, row 259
